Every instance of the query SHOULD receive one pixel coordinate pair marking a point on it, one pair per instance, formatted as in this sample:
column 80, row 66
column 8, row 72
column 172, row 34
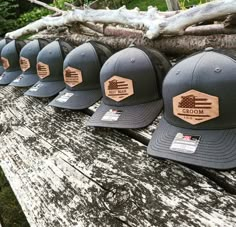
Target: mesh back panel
column 19, row 45
column 103, row 51
column 65, row 48
column 160, row 64
column 43, row 43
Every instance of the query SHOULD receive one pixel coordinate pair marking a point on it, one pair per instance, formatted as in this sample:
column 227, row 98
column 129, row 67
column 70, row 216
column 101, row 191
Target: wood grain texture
column 223, row 178
column 65, row 174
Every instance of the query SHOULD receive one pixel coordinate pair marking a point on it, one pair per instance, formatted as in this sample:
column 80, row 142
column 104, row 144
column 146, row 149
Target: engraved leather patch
column 72, row 76
column 42, row 70
column 24, row 64
column 5, row 63
column 118, row 88
column 195, row 107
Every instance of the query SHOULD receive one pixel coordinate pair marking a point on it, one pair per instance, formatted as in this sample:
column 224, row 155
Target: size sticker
column 185, row 143
column 18, row 79
column 2, row 76
column 65, row 97
column 111, row 115
column 36, row 87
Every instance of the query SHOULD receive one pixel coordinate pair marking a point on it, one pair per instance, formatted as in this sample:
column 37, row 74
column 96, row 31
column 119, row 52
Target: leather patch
column 195, row 107
column 5, row 63
column 72, row 76
column 42, row 70
column 24, row 64
column 118, row 88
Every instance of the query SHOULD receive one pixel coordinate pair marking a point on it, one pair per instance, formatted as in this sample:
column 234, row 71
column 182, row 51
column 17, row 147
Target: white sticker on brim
column 111, row 115
column 17, row 80
column 185, row 143
column 35, row 87
column 64, row 97
column 1, row 77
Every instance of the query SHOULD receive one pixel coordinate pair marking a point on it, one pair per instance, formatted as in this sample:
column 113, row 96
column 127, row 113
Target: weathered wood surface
column 65, row 174
column 172, row 5
column 173, row 46
column 226, row 179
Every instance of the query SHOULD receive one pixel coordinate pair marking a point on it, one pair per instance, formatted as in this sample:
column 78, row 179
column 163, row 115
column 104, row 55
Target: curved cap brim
column 136, row 116
column 1, row 70
column 214, row 148
column 45, row 89
column 25, row 80
column 76, row 100
column 7, row 77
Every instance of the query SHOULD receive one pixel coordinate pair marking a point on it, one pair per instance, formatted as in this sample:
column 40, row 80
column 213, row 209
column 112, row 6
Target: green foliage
column 31, row 16
column 161, row 4
column 11, row 214
column 8, row 15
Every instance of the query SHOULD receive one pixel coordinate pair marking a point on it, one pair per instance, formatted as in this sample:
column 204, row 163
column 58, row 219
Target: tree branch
column 154, row 23
column 55, row 9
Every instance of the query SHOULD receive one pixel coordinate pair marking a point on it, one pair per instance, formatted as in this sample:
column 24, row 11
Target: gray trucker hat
column 81, row 74
column 3, row 42
column 50, row 70
column 10, row 60
column 28, row 60
column 131, row 83
column 199, row 122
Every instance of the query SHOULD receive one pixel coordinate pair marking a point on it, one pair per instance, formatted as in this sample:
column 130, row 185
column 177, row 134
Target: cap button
column 218, row 70
column 209, row 49
column 132, row 60
column 178, row 72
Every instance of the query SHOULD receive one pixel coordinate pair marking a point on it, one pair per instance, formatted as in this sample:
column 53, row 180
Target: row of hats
column 198, row 92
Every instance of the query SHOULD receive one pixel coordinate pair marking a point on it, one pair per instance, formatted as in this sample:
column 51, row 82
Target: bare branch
column 55, row 9
column 152, row 21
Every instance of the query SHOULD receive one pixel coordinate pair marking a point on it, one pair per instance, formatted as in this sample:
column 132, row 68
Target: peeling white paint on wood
column 65, row 174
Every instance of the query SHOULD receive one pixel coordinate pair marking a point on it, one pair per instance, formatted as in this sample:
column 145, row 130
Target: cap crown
column 83, row 64
column 50, row 61
column 210, row 79
column 10, row 53
column 129, row 78
column 3, row 43
column 29, row 53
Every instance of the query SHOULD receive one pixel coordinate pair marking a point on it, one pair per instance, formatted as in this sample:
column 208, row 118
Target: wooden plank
column 225, row 179
column 99, row 177
column 172, row 5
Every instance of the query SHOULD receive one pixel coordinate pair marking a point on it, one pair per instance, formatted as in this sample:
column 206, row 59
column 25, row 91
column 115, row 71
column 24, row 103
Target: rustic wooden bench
column 65, row 174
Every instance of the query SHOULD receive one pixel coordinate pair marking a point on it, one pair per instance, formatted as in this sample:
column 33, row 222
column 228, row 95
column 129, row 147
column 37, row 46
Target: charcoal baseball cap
column 10, row 60
column 199, row 122
column 28, row 58
column 3, row 42
column 81, row 74
column 131, row 83
column 50, row 70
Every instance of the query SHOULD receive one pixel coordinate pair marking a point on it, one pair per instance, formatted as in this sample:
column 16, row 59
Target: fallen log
column 173, row 46
column 152, row 22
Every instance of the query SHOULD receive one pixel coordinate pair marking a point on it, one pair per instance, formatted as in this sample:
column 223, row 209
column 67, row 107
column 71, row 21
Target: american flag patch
column 43, row 70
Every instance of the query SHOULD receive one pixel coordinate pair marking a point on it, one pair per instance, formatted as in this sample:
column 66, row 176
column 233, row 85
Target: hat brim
column 216, row 148
column 1, row 70
column 78, row 99
column 25, row 80
column 135, row 116
column 45, row 89
column 8, row 77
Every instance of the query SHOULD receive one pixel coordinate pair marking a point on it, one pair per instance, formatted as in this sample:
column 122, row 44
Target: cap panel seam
column 195, row 69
